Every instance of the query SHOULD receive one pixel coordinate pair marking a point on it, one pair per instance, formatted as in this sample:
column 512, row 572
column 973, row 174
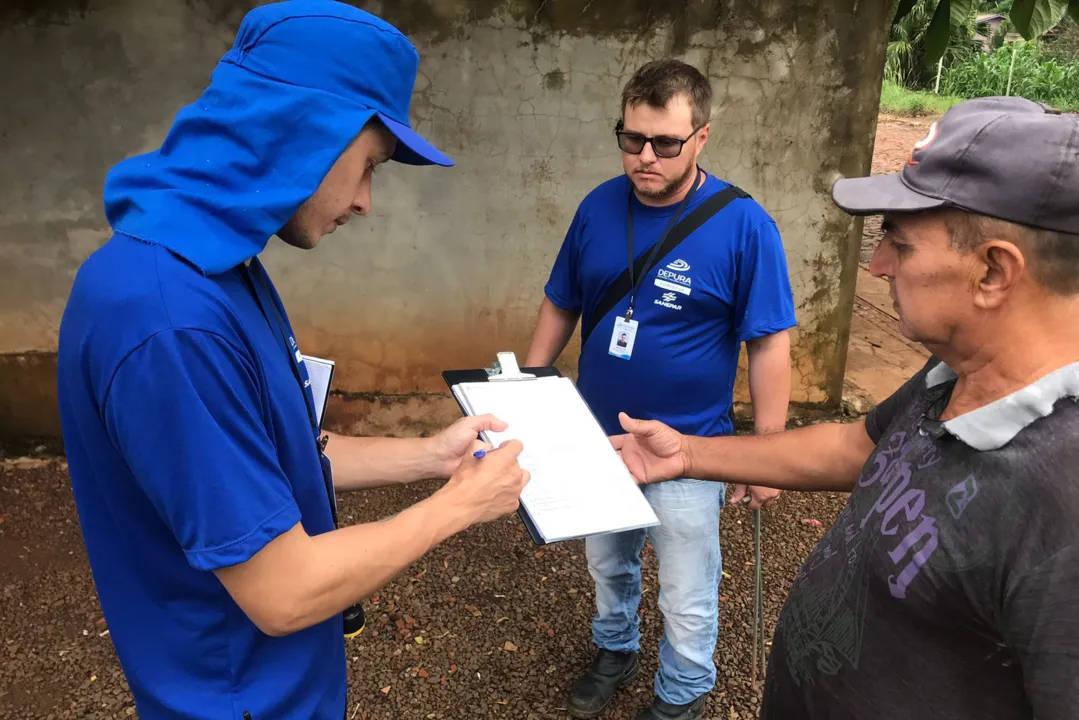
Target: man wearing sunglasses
column 708, row 272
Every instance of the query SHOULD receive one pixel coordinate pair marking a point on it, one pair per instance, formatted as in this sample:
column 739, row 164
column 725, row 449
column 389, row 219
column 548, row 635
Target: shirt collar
column 993, row 426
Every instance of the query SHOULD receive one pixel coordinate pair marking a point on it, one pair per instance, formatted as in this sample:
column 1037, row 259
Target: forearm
column 554, row 327
column 770, row 381
column 828, row 456
column 352, row 563
column 314, row 578
column 365, row 462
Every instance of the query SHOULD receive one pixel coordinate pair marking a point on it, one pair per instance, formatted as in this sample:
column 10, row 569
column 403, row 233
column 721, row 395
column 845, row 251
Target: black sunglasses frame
column 622, row 135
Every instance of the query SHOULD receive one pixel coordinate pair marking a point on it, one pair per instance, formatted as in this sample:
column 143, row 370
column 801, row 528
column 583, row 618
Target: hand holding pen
column 488, row 483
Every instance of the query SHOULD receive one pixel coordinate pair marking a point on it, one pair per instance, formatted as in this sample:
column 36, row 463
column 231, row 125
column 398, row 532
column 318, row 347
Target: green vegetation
column 1033, row 75
column 1030, row 18
column 898, row 100
column 941, row 52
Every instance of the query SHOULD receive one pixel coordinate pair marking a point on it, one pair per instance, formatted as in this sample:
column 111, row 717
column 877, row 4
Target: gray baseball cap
column 1005, row 157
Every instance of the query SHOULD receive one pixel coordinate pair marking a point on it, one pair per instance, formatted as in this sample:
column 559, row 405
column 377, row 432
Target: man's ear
column 1002, row 266
column 703, row 133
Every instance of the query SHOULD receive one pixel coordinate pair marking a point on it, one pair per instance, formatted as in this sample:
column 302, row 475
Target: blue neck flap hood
column 301, row 80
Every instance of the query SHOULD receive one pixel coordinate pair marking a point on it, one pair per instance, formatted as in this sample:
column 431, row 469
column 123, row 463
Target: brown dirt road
column 486, row 626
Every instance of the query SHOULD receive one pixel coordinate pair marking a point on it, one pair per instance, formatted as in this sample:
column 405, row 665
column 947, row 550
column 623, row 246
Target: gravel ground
column 486, row 626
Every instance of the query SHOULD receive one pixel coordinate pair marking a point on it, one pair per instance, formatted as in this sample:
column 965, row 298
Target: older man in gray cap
column 947, row 587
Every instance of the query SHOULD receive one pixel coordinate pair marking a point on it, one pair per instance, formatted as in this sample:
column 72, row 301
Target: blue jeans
column 690, row 570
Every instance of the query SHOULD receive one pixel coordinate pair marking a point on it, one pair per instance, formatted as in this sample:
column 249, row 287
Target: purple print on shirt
column 823, row 623
column 961, row 495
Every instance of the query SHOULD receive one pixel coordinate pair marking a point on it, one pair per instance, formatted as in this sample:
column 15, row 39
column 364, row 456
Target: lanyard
column 287, row 341
column 256, row 278
column 636, row 285
column 353, row 617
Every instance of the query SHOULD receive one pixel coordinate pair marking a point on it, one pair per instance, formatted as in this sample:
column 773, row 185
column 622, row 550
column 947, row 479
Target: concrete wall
column 450, row 266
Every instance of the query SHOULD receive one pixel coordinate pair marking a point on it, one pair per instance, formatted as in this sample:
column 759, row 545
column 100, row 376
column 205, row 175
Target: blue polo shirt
column 190, row 448
column 724, row 284
column 185, row 414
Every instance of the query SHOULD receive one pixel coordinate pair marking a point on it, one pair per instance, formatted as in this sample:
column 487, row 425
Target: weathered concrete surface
column 450, row 266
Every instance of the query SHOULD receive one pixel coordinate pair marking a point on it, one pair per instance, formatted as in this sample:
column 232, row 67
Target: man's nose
column 648, row 153
column 881, row 262
column 361, row 204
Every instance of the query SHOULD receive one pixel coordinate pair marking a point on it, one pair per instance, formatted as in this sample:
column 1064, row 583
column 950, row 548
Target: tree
column 1031, row 18
column 1063, row 46
column 906, row 62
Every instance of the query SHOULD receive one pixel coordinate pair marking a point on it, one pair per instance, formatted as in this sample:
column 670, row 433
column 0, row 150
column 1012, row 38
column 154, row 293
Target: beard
column 672, row 187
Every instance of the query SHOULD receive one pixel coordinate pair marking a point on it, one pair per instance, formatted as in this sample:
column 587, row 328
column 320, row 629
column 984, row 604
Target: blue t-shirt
column 724, row 284
column 189, row 440
column 191, row 447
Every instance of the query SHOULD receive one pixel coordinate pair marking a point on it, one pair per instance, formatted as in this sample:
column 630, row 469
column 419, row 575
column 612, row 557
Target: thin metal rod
column 758, row 602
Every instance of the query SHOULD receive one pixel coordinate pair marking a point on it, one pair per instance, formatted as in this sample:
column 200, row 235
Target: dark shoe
column 592, row 692
column 660, row 710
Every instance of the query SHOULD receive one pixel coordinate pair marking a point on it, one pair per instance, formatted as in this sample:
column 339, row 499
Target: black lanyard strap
column 353, row 618
column 635, row 285
column 283, row 335
column 256, row 280
column 620, row 286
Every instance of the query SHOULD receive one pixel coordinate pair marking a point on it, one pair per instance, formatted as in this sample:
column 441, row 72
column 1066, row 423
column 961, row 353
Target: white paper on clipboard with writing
column 579, row 486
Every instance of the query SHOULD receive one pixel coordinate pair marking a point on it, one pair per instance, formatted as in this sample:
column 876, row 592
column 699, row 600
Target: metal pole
column 758, row 604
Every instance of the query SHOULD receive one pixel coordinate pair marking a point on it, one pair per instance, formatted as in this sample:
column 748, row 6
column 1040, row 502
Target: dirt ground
column 487, row 626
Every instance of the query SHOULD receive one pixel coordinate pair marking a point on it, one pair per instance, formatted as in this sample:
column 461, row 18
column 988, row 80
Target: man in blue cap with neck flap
column 202, row 480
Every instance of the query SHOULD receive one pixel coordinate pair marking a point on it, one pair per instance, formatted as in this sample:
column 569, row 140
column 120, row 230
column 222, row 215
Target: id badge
column 625, row 333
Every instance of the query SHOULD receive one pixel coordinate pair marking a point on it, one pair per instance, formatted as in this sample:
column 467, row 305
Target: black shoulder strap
column 620, row 287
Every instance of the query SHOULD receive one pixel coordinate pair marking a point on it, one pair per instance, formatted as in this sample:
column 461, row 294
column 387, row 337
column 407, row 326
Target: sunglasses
column 664, row 146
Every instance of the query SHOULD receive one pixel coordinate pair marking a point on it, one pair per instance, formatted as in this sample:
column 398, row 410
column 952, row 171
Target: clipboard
column 507, row 370
column 320, row 373
column 456, row 377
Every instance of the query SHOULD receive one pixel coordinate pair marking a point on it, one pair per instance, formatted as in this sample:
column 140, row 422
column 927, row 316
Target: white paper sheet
column 579, row 486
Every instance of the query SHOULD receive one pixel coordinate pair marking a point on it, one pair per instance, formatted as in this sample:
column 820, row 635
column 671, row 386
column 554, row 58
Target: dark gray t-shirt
column 949, row 585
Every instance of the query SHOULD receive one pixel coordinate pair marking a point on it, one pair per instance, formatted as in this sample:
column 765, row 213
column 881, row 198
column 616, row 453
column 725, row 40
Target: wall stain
column 574, row 17
column 444, row 19
column 43, row 12
column 554, row 80
column 29, row 409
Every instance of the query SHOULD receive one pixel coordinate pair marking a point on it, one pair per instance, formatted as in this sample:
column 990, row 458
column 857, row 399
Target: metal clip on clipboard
column 505, row 369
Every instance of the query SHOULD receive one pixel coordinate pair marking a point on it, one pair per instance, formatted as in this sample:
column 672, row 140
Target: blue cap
column 337, row 48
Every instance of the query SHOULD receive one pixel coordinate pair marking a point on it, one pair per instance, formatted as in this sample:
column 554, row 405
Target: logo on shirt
column 828, row 606
column 961, row 495
column 673, row 277
column 667, row 301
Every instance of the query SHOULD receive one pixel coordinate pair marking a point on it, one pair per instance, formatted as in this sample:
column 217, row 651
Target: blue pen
column 479, row 453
